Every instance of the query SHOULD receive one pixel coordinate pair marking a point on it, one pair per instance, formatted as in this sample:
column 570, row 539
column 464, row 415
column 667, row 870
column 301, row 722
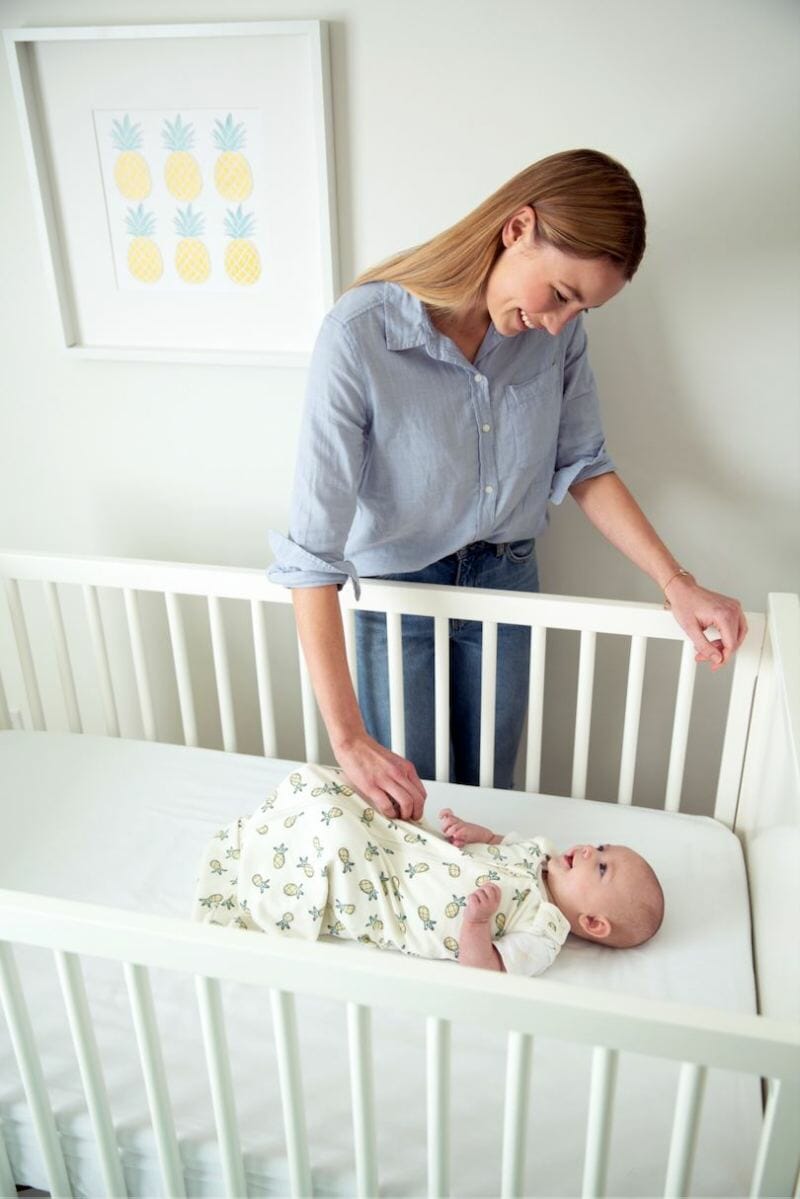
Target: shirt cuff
column 576, row 472
column 294, row 566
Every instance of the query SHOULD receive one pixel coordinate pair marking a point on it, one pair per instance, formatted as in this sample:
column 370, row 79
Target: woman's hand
column 697, row 609
column 389, row 782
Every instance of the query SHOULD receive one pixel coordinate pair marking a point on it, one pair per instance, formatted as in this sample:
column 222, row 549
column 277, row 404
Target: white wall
column 436, row 103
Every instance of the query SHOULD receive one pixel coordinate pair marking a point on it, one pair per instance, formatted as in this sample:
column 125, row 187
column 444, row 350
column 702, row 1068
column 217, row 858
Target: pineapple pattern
column 191, row 254
column 168, row 156
column 232, row 176
column 342, row 869
column 131, row 172
column 144, row 256
column 242, row 263
column 181, row 171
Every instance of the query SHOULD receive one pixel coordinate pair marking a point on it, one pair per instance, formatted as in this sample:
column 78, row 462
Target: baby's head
column 609, row 893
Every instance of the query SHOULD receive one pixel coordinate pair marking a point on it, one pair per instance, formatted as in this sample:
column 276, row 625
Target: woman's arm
column 379, row 775
column 611, row 508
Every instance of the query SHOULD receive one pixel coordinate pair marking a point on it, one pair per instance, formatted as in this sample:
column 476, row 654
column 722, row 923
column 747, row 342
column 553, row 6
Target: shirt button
column 488, row 489
column 486, row 428
column 480, row 379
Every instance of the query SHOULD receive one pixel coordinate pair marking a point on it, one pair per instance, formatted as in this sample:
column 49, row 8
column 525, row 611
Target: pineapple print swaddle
column 316, row 859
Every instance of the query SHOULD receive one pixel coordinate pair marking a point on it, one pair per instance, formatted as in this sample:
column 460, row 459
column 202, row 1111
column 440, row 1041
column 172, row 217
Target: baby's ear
column 594, row 928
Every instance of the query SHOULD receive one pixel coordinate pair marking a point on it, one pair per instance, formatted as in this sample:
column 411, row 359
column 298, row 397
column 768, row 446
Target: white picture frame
column 90, row 99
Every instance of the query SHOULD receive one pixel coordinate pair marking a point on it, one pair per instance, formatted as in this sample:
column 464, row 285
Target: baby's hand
column 460, row 832
column 482, row 904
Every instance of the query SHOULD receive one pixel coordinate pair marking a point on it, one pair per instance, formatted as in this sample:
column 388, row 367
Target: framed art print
column 183, row 184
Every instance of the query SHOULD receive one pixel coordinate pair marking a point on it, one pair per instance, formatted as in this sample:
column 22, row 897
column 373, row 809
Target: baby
column 315, row 859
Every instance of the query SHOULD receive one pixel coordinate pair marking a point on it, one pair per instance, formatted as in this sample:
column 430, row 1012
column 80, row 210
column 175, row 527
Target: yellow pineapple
column 232, row 175
column 242, row 262
column 181, row 172
column 144, row 256
column 131, row 172
column 191, row 255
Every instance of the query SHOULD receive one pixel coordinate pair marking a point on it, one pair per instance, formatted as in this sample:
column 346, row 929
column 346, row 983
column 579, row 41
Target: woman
column 449, row 398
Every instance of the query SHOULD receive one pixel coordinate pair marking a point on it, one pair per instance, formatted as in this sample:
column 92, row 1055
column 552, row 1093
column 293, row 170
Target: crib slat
column 359, row 1035
column 100, row 649
column 219, row 649
column 5, row 715
column 633, row 711
column 684, row 1129
column 518, row 1079
column 25, row 656
column 83, row 1038
column 183, row 677
column 137, row 981
column 778, row 1155
column 680, row 728
column 441, row 654
column 438, row 1093
column 283, row 1017
column 598, row 1132
column 209, row 1001
column 397, row 716
column 62, row 657
column 7, row 1185
column 266, row 707
column 533, row 748
column 309, row 704
column 30, row 1069
column 140, row 664
column 349, row 626
column 488, row 702
column 583, row 714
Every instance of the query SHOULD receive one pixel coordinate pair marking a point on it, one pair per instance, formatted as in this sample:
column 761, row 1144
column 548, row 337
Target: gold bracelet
column 677, row 574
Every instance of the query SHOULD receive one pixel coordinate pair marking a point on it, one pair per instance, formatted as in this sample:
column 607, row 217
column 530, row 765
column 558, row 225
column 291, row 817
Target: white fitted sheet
column 124, row 822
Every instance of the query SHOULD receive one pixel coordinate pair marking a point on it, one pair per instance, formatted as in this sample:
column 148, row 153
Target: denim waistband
column 499, row 548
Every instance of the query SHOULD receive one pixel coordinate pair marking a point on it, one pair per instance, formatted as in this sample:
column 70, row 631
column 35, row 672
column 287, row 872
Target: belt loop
column 501, row 548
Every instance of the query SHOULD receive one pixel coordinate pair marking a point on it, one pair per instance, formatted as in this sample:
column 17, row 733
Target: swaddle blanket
column 316, row 859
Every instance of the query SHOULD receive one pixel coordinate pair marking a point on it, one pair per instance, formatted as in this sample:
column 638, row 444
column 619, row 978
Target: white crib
column 60, row 629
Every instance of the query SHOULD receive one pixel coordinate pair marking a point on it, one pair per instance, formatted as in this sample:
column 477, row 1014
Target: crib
column 137, row 1057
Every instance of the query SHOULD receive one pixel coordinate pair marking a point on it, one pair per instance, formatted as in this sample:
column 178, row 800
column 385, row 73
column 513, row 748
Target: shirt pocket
column 533, row 413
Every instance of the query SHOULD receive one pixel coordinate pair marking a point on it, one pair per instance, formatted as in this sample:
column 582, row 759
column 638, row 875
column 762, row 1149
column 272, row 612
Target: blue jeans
column 508, row 567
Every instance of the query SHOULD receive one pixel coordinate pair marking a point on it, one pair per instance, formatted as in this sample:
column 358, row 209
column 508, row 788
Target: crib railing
column 701, row 1039
column 637, row 622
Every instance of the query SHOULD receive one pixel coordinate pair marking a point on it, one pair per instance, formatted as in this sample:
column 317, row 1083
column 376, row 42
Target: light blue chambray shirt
column 408, row 451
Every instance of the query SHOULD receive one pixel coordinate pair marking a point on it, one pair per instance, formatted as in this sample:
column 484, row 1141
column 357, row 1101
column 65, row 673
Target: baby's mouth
column 568, row 859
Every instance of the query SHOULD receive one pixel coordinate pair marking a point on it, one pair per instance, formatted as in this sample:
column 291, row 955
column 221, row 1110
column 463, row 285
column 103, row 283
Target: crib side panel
column 768, row 815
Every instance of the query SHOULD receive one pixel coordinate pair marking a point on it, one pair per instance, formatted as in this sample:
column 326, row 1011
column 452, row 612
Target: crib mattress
column 123, row 822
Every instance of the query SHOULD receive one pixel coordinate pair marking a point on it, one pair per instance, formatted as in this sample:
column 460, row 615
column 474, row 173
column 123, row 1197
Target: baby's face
column 595, row 882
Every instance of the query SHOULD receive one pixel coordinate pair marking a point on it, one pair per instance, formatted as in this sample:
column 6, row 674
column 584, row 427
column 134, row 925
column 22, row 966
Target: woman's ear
column 521, row 224
column 595, row 928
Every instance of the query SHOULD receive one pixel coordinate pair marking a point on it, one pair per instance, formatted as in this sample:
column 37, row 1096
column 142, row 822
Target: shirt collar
column 408, row 323
column 407, row 320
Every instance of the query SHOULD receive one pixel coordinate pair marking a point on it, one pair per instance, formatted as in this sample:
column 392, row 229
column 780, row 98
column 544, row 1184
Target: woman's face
column 535, row 286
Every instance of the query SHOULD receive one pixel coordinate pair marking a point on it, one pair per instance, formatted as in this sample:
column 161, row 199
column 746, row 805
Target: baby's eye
column 561, row 299
column 601, row 848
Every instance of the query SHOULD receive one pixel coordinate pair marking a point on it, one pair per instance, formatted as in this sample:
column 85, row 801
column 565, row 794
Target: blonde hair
column 586, row 204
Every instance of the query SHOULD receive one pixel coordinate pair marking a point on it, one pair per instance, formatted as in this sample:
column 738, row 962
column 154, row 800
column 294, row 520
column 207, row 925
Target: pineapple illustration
column 191, row 255
column 144, row 256
column 232, row 175
column 241, row 257
column 181, row 172
column 131, row 172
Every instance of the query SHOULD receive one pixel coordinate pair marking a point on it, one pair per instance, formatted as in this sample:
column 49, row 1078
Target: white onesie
column 316, row 859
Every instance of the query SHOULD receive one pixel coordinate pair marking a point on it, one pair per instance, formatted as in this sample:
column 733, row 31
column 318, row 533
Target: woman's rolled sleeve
column 581, row 452
column 329, row 462
column 294, row 566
